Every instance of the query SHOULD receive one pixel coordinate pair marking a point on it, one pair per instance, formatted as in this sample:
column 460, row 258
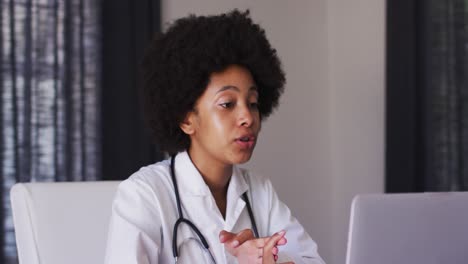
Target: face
column 224, row 126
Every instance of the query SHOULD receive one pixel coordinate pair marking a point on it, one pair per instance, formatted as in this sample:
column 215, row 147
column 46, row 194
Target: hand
column 271, row 245
column 247, row 249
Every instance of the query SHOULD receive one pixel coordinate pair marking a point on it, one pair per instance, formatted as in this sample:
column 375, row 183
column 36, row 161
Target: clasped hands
column 248, row 249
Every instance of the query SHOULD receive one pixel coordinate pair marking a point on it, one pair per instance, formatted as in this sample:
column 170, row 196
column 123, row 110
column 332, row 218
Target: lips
column 246, row 138
column 246, row 141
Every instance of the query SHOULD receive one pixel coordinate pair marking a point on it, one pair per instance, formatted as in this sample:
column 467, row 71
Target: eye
column 254, row 105
column 226, row 105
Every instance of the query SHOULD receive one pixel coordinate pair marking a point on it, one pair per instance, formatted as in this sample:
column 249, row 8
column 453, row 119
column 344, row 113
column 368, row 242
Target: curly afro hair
column 179, row 62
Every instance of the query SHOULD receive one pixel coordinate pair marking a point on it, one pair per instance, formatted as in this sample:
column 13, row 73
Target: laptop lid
column 411, row 228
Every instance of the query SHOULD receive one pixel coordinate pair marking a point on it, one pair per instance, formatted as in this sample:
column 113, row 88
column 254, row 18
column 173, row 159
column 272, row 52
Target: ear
column 187, row 125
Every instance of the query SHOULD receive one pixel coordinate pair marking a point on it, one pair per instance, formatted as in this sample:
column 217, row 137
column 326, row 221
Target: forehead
column 236, row 78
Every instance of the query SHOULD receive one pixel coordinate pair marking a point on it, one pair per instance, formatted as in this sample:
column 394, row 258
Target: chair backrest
column 57, row 223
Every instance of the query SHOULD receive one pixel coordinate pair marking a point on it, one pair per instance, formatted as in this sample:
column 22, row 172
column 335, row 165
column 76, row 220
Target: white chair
column 62, row 223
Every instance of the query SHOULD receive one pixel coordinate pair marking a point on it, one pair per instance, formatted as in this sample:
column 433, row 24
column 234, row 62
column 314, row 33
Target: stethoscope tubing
column 181, row 218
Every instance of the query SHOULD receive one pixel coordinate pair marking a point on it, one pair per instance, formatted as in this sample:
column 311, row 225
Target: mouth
column 246, row 141
column 246, row 138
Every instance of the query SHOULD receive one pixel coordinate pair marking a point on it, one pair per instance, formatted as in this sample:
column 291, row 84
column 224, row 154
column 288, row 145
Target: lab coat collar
column 238, row 184
column 190, row 181
column 235, row 204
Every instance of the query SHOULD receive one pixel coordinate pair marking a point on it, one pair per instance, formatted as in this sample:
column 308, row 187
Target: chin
column 241, row 158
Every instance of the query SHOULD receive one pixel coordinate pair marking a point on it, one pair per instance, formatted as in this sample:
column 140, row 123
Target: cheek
column 220, row 123
column 258, row 121
column 215, row 125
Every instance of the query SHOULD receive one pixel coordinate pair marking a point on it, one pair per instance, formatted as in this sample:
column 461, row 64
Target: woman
column 209, row 82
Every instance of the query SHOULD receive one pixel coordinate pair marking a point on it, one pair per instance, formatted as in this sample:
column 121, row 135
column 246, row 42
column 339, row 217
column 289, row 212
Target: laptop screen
column 409, row 228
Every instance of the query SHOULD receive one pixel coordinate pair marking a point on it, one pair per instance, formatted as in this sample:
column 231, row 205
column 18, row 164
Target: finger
column 241, row 237
column 260, row 242
column 225, row 236
column 282, row 241
column 276, row 258
column 274, row 239
column 270, row 244
column 260, row 252
column 268, row 258
column 274, row 251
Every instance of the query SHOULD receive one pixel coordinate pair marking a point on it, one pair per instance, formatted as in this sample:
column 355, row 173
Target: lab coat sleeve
column 300, row 247
column 134, row 229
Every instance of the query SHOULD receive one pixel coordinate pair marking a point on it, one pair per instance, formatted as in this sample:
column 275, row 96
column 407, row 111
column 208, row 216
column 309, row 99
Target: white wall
column 325, row 142
column 356, row 78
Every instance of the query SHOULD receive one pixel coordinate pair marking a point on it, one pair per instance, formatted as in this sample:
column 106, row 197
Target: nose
column 246, row 117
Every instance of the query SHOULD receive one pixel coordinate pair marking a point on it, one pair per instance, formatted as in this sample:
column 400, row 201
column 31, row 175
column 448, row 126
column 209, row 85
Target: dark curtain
column 128, row 27
column 69, row 83
column 49, row 86
column 427, row 96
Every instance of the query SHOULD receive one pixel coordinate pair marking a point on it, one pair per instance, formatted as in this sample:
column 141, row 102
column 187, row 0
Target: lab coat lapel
column 235, row 203
column 195, row 195
column 189, row 179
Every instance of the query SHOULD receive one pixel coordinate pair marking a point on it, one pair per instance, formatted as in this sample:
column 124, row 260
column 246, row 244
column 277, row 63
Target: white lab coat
column 144, row 212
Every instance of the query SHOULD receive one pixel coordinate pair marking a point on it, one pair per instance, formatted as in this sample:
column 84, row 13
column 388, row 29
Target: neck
column 215, row 174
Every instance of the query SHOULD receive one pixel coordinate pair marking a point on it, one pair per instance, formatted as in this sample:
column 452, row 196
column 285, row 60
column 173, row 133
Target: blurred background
column 376, row 99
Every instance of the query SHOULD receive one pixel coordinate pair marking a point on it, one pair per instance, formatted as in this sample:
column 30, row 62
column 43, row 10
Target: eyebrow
column 235, row 88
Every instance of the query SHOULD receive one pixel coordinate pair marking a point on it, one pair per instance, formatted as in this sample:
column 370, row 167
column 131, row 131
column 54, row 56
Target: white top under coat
column 144, row 212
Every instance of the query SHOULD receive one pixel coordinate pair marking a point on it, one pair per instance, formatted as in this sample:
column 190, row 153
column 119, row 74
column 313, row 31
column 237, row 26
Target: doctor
column 209, row 82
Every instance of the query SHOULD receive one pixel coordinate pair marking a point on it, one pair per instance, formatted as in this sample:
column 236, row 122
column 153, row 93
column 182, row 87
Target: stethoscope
column 181, row 219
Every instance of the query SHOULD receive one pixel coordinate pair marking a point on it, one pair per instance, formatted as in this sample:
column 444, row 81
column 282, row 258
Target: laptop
column 416, row 228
